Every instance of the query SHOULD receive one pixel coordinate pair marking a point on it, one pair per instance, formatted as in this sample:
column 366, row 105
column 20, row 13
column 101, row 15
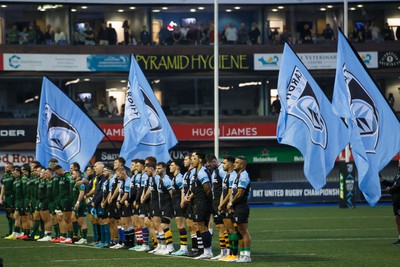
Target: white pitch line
column 328, row 230
column 322, row 239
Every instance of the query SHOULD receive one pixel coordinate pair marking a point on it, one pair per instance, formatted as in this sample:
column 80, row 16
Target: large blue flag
column 160, row 137
column 375, row 130
column 306, row 120
column 136, row 118
column 64, row 131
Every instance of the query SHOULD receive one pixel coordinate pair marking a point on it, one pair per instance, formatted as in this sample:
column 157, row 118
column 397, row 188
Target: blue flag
column 136, row 118
column 306, row 120
column 64, row 131
column 160, row 137
column 375, row 130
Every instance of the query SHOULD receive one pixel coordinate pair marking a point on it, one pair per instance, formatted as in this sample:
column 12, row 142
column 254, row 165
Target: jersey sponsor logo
column 302, row 104
column 364, row 111
column 155, row 136
column 62, row 138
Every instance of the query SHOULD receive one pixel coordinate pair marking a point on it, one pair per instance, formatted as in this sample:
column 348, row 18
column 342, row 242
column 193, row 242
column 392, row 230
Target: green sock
column 41, row 228
column 70, row 234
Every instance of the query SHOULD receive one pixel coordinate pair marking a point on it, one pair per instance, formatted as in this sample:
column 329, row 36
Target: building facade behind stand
column 173, row 44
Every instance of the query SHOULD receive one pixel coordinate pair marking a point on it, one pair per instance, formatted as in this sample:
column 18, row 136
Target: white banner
column 313, row 61
column 45, row 62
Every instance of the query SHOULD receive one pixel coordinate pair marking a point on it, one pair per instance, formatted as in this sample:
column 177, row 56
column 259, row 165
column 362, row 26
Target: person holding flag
column 375, row 129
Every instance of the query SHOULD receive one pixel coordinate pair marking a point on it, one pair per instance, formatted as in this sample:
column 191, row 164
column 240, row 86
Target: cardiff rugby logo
column 302, row 104
column 63, row 141
column 155, row 136
column 364, row 111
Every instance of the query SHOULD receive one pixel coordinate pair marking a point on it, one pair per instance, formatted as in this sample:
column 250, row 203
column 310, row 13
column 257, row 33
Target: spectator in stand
column 89, row 34
column 87, row 104
column 177, row 35
column 387, row 32
column 242, row 34
column 59, row 37
column 13, row 34
column 184, row 30
column 231, row 34
column 359, row 34
column 194, row 35
column 111, row 35
column 254, row 33
column 31, row 34
column 145, row 36
column 274, row 36
column 102, row 35
column 375, row 33
column 39, row 34
column 223, row 36
column 23, row 36
column 306, row 35
column 164, row 35
column 276, row 106
column 285, row 36
column 49, row 35
column 112, row 107
column 126, row 28
column 328, row 33
column 211, row 35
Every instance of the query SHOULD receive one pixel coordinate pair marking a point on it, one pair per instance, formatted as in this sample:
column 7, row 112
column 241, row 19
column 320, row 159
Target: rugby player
column 164, row 189
column 65, row 203
column 80, row 210
column 45, row 190
column 126, row 210
column 177, row 185
column 7, row 196
column 19, row 199
column 202, row 203
column 216, row 178
column 231, row 237
column 240, row 207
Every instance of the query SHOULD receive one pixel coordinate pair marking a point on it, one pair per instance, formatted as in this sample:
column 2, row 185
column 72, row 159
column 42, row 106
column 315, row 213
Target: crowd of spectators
column 192, row 34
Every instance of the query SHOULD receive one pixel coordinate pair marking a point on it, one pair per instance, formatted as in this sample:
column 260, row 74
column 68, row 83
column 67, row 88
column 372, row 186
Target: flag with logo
column 64, row 131
column 306, row 120
column 375, row 130
column 160, row 137
column 136, row 117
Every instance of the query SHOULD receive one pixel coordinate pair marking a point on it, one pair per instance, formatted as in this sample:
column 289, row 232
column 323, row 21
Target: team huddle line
column 133, row 209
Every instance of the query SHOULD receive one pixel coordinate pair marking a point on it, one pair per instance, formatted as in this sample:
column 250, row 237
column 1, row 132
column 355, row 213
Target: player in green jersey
column 19, row 203
column 44, row 191
column 26, row 186
column 7, row 196
column 80, row 211
column 65, row 204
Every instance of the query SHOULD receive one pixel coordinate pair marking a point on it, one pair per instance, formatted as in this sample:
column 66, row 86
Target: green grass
column 298, row 236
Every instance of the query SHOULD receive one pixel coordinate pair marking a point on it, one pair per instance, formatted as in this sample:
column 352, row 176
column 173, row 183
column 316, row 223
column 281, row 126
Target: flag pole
column 216, row 82
column 346, row 33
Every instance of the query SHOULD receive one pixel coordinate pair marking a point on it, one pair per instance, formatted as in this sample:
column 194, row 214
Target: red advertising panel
column 202, row 132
